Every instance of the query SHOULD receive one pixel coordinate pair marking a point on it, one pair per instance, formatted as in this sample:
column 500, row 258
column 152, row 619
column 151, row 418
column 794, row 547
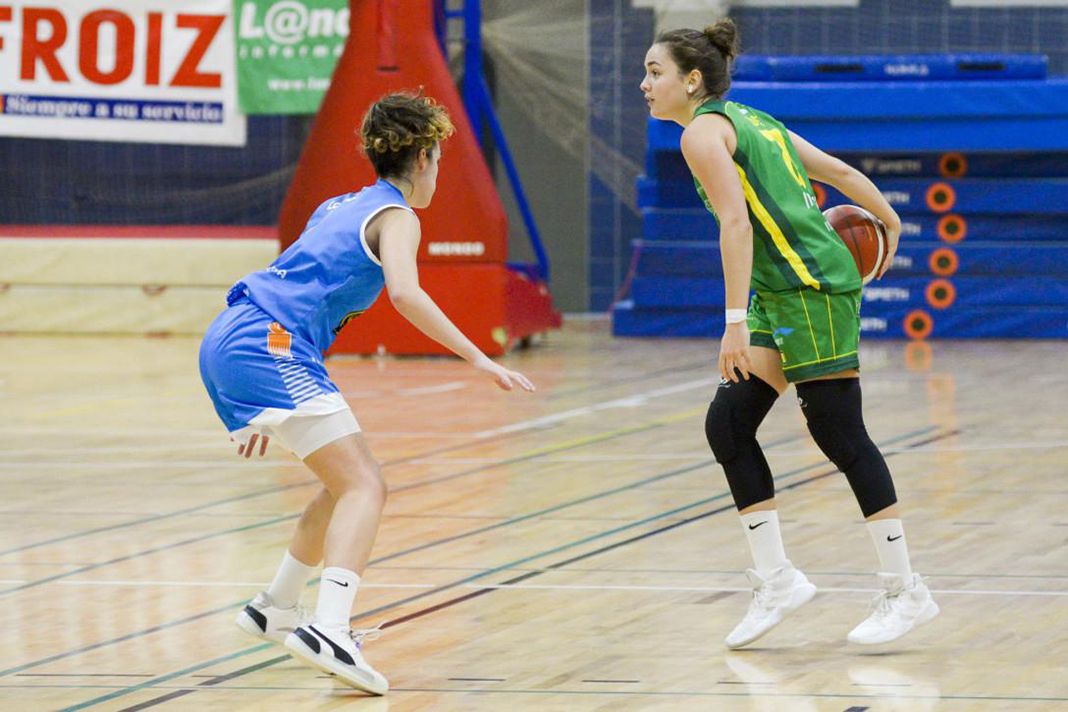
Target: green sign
column 286, row 53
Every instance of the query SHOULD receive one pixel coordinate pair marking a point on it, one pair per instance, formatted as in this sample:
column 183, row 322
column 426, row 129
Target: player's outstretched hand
column 248, row 448
column 505, row 378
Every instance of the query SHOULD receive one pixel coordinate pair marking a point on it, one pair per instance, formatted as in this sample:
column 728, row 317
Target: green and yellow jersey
column 793, row 246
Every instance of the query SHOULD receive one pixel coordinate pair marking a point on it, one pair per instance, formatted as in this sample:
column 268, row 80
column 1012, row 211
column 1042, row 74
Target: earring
column 689, row 89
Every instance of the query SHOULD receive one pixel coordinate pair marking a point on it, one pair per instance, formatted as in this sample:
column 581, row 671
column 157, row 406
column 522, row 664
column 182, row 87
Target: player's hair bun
column 724, row 36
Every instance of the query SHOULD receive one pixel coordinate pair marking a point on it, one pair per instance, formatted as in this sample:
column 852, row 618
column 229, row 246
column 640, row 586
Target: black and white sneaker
column 262, row 619
column 337, row 652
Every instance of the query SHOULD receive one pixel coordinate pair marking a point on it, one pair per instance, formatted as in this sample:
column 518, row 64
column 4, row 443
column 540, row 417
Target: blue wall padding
column 903, row 67
column 907, row 195
column 1049, row 322
column 1026, row 196
column 665, row 292
column 670, row 165
column 697, row 223
column 701, row 259
column 989, row 259
column 1020, row 115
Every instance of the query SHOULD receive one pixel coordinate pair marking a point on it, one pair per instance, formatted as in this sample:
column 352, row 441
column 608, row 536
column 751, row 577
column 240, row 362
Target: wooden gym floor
column 571, row 550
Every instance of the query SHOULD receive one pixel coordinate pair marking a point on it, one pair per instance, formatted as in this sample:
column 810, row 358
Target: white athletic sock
column 289, row 581
column 337, row 591
column 765, row 540
column 888, row 535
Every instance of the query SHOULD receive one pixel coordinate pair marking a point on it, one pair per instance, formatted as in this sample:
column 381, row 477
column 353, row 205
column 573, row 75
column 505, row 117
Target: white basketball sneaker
column 775, row 594
column 262, row 619
column 903, row 604
column 337, row 652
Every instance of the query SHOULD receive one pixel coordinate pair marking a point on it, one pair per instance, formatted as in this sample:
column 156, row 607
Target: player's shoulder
column 705, row 128
column 395, row 220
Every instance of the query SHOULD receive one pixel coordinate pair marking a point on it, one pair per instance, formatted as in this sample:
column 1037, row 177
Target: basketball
column 863, row 234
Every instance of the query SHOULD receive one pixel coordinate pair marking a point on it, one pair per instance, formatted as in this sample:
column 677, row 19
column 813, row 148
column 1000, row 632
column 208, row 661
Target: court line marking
column 461, row 599
column 529, row 425
column 430, row 390
column 740, row 589
column 567, row 587
column 204, row 584
column 146, row 552
column 127, row 464
column 209, row 434
column 727, row 572
column 373, row 562
column 217, row 443
column 631, row 401
column 344, row 694
column 577, row 442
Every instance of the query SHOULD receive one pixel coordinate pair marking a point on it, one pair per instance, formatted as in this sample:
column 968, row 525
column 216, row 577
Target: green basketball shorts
column 815, row 333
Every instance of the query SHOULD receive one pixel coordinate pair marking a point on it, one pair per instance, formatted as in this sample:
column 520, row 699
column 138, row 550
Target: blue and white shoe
column 337, row 652
column 262, row 619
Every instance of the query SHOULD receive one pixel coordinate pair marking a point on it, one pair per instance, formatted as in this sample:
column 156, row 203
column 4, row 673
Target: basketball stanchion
column 918, row 324
column 941, row 294
column 952, row 228
column 941, row 197
column 944, row 262
column 952, row 165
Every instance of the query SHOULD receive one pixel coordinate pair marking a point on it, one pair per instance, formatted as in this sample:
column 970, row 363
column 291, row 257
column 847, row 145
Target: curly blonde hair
column 398, row 126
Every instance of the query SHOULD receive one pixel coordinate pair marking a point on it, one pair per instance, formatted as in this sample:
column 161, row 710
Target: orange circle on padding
column 918, row 324
column 941, row 293
column 952, row 165
column 941, row 197
column 952, row 228
column 944, row 262
column 821, row 195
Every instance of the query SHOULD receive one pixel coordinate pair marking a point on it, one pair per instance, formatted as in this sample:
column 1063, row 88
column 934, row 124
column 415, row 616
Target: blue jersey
column 329, row 275
column 261, row 359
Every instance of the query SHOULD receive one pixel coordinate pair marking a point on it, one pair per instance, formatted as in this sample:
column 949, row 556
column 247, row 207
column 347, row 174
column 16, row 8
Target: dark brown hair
column 711, row 52
column 397, row 126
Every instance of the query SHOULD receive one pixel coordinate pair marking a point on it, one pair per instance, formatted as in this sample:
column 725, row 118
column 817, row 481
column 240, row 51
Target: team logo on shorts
column 279, row 341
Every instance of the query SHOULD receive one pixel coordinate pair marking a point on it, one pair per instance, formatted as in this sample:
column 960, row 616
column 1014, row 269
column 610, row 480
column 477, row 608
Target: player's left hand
column 734, row 352
column 506, row 379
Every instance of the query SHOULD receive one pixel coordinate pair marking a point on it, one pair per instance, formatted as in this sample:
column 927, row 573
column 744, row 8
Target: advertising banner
column 152, row 71
column 287, row 51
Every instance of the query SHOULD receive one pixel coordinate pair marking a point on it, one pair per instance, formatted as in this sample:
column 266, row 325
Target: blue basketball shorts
column 264, row 379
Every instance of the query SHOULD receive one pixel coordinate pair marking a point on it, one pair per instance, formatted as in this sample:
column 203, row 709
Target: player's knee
column 376, row 484
column 735, row 414
column 365, row 481
column 719, row 430
column 835, row 422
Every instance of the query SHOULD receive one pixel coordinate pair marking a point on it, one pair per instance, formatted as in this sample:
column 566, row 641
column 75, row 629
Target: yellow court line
column 772, row 227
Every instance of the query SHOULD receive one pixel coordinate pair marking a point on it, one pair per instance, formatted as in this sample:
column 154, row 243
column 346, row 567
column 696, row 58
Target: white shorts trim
column 303, row 430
